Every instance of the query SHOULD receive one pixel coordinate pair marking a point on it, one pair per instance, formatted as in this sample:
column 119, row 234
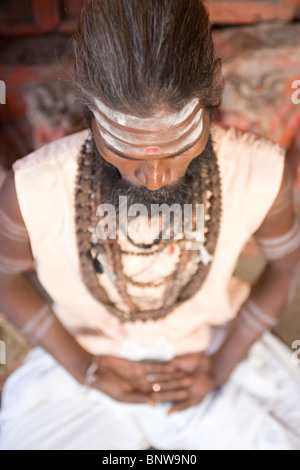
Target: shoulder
column 44, row 180
column 252, row 169
column 57, row 152
column 230, row 141
column 9, row 201
column 247, row 159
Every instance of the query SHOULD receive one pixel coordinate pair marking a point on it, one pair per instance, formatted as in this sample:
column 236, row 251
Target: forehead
column 164, row 132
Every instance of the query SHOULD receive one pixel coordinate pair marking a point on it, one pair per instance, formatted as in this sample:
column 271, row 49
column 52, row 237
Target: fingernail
column 152, row 403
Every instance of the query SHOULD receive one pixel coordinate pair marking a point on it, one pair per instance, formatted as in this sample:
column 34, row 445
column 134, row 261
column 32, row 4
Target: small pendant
column 95, row 238
column 171, row 250
column 205, row 257
column 98, row 266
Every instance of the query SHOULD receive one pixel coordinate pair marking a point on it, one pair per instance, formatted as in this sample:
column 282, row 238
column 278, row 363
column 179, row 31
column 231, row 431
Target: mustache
column 179, row 193
column 172, row 194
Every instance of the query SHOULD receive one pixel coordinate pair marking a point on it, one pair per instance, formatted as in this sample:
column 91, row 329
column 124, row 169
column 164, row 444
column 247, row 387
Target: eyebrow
column 125, row 157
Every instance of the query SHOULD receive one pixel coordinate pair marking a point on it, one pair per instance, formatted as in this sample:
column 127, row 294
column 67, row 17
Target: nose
column 153, row 175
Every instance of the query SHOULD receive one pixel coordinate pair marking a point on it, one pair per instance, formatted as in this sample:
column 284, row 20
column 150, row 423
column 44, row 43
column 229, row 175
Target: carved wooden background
column 261, row 62
column 44, row 16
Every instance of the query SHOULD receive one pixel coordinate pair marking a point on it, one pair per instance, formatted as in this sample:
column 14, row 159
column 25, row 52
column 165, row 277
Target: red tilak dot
column 152, row 150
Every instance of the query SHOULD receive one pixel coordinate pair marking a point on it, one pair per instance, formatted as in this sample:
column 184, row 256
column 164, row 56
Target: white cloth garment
column 248, row 192
column 44, row 408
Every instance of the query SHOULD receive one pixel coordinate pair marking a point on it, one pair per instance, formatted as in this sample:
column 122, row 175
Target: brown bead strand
column 90, row 195
column 210, row 180
column 83, row 200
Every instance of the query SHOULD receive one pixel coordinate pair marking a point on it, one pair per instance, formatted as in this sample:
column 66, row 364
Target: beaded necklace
column 98, row 256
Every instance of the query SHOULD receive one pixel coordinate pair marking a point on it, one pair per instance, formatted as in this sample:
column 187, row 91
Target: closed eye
column 179, row 154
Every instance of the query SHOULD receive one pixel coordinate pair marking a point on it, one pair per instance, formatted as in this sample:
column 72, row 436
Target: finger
column 124, row 368
column 181, row 406
column 196, row 398
column 169, row 382
column 174, row 385
column 123, row 392
column 192, row 362
column 135, row 397
column 142, row 374
column 172, row 396
column 163, row 378
column 154, row 367
column 159, row 367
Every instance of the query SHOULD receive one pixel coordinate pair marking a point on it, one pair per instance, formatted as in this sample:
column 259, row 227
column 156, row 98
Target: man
column 150, row 341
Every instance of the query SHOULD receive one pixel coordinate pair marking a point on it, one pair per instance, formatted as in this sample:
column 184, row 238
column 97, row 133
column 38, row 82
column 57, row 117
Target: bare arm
column 279, row 236
column 272, row 291
column 20, row 300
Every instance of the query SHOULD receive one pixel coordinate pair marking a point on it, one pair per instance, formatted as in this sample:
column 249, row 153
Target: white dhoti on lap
column 44, row 408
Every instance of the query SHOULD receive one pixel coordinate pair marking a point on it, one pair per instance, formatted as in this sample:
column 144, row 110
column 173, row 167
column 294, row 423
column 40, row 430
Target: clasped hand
column 183, row 381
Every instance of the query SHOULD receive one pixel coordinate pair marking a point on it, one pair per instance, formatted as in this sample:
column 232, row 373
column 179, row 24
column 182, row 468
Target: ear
column 219, row 82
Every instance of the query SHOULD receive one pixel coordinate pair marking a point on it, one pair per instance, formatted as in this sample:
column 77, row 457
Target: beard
column 180, row 193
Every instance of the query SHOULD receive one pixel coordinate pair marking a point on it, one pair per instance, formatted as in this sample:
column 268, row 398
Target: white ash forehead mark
column 149, row 123
column 135, row 144
column 146, row 139
column 129, row 149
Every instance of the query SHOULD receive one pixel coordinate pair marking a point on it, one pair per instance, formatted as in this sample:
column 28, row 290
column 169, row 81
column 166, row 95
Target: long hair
column 137, row 54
